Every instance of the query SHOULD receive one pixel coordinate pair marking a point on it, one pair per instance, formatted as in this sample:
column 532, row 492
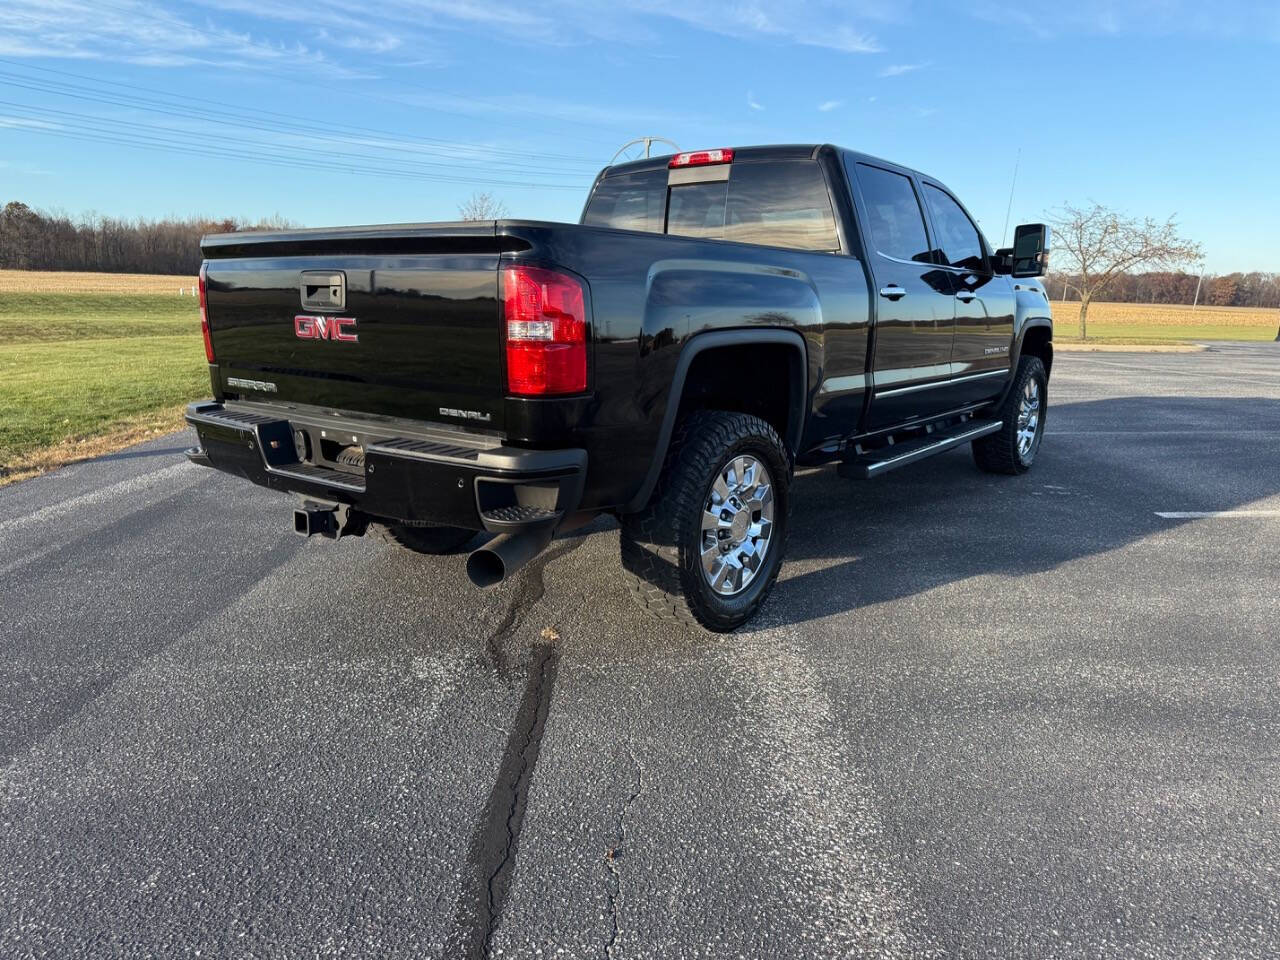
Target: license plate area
column 323, row 290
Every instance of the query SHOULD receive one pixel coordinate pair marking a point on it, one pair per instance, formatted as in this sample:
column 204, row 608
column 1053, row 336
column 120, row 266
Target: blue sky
column 396, row 110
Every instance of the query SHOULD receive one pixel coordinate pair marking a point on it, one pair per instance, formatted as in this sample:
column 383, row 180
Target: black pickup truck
column 716, row 318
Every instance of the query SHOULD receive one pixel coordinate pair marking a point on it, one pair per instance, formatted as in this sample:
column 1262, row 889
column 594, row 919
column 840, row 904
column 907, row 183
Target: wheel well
column 1038, row 342
column 763, row 379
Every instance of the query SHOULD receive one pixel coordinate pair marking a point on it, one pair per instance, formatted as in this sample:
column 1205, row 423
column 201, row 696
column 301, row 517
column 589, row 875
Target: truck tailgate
column 402, row 326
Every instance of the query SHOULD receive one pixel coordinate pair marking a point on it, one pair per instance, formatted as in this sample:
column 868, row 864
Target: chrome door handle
column 966, row 296
column 892, row 292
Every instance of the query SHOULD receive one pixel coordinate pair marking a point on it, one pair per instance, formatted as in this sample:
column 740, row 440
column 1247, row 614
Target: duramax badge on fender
column 717, row 318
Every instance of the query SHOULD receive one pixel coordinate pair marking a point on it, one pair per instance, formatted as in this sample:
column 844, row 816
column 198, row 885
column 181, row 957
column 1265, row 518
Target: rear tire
column 431, row 539
column 707, row 548
column 1012, row 449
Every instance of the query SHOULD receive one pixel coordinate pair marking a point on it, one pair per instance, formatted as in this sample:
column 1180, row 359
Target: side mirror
column 1030, row 250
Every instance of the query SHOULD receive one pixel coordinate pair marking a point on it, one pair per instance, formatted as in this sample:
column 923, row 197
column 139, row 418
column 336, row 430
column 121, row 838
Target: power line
column 185, row 101
column 131, row 127
column 165, row 17
column 77, row 92
column 150, row 142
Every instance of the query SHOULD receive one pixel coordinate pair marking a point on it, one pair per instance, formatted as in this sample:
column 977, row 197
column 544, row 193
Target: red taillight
column 546, row 332
column 204, row 315
column 701, row 158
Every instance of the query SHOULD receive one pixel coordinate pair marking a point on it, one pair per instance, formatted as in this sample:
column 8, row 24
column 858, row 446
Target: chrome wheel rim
column 1028, row 419
column 737, row 525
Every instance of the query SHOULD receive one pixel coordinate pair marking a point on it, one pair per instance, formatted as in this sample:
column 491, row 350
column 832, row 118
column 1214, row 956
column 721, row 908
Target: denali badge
column 466, row 414
column 264, row 386
column 341, row 329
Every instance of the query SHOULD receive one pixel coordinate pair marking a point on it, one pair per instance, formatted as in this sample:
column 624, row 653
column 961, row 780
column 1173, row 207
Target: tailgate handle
column 323, row 290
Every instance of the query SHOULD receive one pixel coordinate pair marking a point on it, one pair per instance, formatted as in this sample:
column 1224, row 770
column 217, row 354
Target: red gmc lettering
column 341, row 329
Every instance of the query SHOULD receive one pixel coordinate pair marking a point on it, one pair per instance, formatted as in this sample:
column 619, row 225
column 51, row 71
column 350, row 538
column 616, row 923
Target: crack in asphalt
column 529, row 591
column 493, row 848
column 613, row 883
column 492, row 856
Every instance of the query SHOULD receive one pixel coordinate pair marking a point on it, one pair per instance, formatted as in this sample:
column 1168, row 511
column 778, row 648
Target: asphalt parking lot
column 1009, row 717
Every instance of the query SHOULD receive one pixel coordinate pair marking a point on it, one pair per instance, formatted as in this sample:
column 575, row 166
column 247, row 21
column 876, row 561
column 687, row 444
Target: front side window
column 894, row 218
column 958, row 238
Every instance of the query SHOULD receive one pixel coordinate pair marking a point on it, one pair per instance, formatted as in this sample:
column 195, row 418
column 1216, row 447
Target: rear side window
column 894, row 218
column 635, row 201
column 778, row 204
column 784, row 204
column 957, row 236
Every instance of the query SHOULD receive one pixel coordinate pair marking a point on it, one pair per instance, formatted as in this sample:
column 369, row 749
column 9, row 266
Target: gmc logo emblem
column 341, row 329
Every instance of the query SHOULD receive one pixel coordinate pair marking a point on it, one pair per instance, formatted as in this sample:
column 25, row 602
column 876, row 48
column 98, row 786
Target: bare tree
column 482, row 206
column 1100, row 245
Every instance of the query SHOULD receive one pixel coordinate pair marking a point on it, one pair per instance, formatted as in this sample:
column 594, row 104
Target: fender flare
column 710, row 341
column 1031, row 322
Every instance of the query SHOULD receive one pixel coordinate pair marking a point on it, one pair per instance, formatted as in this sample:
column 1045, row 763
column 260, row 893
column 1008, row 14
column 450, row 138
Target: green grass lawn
column 76, row 365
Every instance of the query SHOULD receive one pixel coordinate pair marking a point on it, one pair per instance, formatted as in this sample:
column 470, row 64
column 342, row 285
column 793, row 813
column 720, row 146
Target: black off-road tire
column 423, row 538
column 998, row 452
column 660, row 544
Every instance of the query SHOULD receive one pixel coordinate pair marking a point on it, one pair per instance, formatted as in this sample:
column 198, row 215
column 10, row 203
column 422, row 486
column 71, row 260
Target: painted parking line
column 1214, row 514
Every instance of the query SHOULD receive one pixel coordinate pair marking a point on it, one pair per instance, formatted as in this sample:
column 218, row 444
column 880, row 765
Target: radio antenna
column 1004, row 234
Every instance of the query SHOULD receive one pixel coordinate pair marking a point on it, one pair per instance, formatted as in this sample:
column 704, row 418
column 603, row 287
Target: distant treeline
column 1223, row 290
column 41, row 240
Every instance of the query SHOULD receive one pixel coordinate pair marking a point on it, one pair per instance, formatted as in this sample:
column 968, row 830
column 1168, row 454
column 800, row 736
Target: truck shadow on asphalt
column 1105, row 467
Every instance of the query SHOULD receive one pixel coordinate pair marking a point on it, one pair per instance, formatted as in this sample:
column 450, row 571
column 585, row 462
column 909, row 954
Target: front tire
column 1012, row 449
column 708, row 547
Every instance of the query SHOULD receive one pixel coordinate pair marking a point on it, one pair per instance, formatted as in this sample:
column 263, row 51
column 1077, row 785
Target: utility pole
column 1196, row 302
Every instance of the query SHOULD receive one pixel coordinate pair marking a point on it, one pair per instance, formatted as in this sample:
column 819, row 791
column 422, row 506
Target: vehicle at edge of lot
column 716, row 318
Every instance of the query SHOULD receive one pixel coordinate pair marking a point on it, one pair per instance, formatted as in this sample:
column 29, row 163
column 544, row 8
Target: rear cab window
column 777, row 203
column 697, row 210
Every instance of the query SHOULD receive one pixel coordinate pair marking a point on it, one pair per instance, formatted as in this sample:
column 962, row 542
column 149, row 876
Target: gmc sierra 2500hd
column 716, row 318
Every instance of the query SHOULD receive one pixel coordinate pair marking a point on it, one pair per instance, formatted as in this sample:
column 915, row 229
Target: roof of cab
column 785, row 151
column 781, row 151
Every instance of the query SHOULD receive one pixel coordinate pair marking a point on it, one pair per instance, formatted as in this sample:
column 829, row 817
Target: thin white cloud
column 524, row 105
column 833, row 25
column 345, row 43
column 1252, row 19
column 828, row 105
column 12, row 121
column 142, row 32
column 752, row 102
column 898, row 69
column 25, row 169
